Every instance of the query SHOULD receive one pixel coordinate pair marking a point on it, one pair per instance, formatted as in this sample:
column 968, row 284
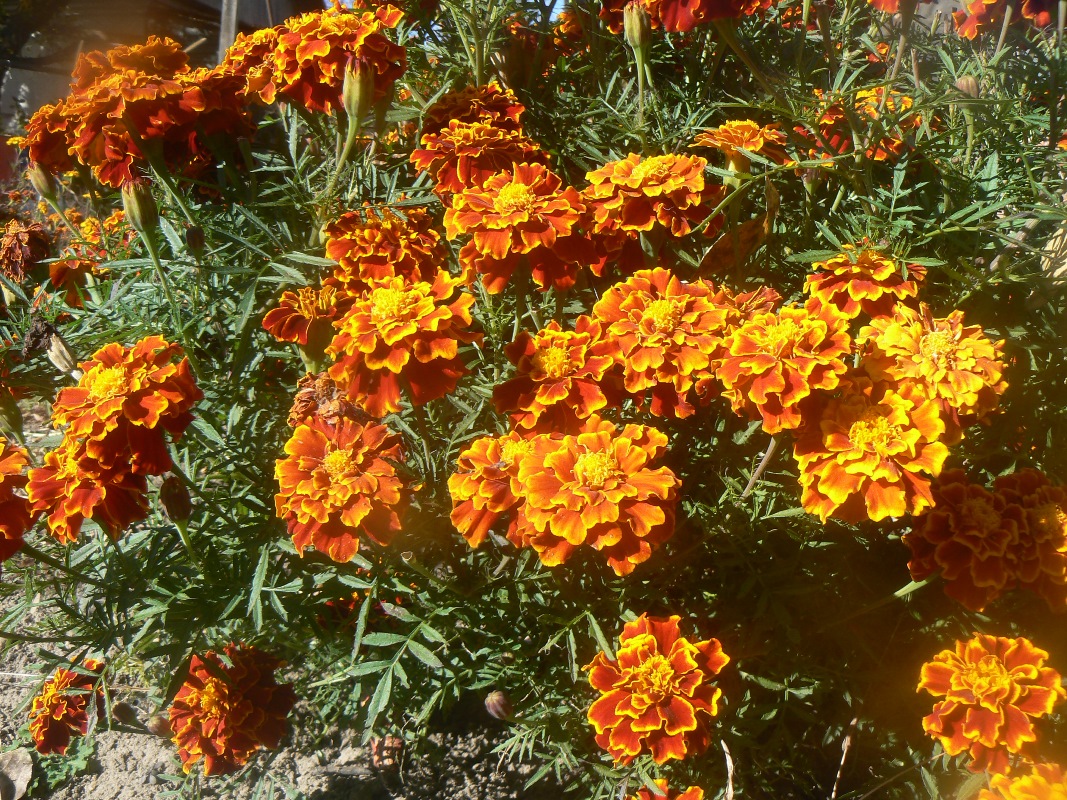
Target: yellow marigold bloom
column 663, row 793
column 1042, row 782
column 228, row 709
column 967, row 537
column 15, row 516
column 869, row 453
column 376, row 244
column 773, row 361
column 656, row 694
column 664, row 332
column 562, row 377
column 489, row 104
column 60, row 711
column 955, row 364
column 864, row 281
column 484, row 487
column 402, row 337
column 337, row 483
column 739, row 137
column 993, row 688
column 598, row 489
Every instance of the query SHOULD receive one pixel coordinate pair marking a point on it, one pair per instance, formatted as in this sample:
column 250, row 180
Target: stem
column 153, row 254
column 726, row 31
column 772, row 448
column 1008, row 14
column 352, row 133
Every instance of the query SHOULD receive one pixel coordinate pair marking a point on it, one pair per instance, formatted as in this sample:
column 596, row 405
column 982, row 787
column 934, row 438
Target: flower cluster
column 656, row 695
column 15, row 515
column 987, row 16
column 83, row 259
column 1042, row 782
column 229, row 707
column 117, row 416
column 889, row 123
column 993, row 689
column 60, row 711
column 985, row 541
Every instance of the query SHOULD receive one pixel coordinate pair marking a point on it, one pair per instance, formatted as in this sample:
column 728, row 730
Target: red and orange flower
column 305, row 315
column 60, row 711
column 319, row 396
column 489, row 104
column 1042, row 782
column 1039, row 558
column 869, row 453
column 683, row 15
column 337, row 484
column 738, row 138
column 993, row 689
column 656, row 695
column 484, row 486
column 403, row 338
column 15, row 516
column 229, row 707
column 464, row 155
column 101, row 241
column 862, row 281
column 597, row 489
column 663, row 793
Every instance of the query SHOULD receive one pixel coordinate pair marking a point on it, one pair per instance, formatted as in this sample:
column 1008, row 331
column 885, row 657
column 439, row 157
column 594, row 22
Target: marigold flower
column 15, row 516
column 987, row 16
column 1042, row 782
column 862, row 281
column 1039, row 558
column 832, row 135
column 773, row 361
column 866, row 453
column 994, row 687
column 306, row 317
column 739, row 137
column 597, row 488
column 60, row 711
column 375, row 244
column 464, row 155
column 955, row 364
column 484, row 486
column 568, row 33
column 251, row 58
column 337, row 483
column 966, row 536
column 663, row 793
column 664, row 332
column 684, row 15
column 21, row 248
column 400, row 335
column 489, row 104
column 320, row 396
column 562, row 377
column 228, row 708
column 656, row 694
column 101, row 241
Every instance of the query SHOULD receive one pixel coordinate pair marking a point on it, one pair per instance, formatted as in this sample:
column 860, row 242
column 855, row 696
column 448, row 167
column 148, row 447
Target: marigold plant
column 1042, row 782
column 61, row 709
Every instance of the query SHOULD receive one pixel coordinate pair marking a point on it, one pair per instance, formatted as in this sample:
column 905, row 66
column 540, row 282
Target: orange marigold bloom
column 867, row 453
column 597, row 488
column 994, row 687
column 664, row 334
column 337, row 483
column 663, row 793
column 773, row 361
column 966, row 536
column 21, row 248
column 987, row 16
column 656, row 694
column 101, row 241
column 955, row 364
column 228, row 708
column 306, row 315
column 489, row 104
column 683, row 15
column 15, row 516
column 832, row 135
column 313, row 50
column 485, row 487
column 1042, row 782
column 561, row 377
column 864, row 281
column 251, row 57
column 1039, row 557
column 739, row 137
column 60, row 711
column 464, row 155
column 401, row 335
column 375, row 244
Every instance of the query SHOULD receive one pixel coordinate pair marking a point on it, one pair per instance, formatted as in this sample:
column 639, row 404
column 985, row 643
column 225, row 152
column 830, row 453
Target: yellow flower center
column 388, row 304
column 596, row 469
column 937, row 345
column 654, row 677
column 213, row 698
column 108, row 383
column 338, row 464
column 554, row 360
column 663, row 314
column 977, row 513
column 873, row 431
column 1047, row 521
column 653, row 170
column 988, row 675
column 780, row 337
column 514, row 449
column 514, row 197
column 311, row 303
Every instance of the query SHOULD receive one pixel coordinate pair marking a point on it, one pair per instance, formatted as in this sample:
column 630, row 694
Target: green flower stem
column 351, row 134
column 153, row 254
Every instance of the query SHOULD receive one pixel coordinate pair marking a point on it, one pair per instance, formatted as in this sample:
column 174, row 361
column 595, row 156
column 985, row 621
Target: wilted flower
column 1042, row 782
column 489, row 104
column 484, row 486
column 60, row 711
column 464, row 155
column 229, row 707
column 656, row 694
column 994, row 688
column 864, row 281
column 15, row 516
column 21, row 248
column 319, row 396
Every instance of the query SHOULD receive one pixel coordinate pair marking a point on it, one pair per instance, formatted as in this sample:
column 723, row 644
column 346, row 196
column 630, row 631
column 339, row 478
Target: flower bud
column 499, row 706
column 124, row 713
column 159, row 725
column 637, row 25
column 357, row 92
column 194, row 241
column 968, row 85
column 140, row 205
column 42, row 180
column 174, row 497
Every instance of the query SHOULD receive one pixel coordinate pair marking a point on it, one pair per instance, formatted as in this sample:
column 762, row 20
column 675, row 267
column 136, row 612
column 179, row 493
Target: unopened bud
column 160, row 726
column 637, row 25
column 357, row 92
column 174, row 497
column 140, row 205
column 499, row 705
column 195, row 241
column 42, row 180
column 124, row 713
column 968, row 85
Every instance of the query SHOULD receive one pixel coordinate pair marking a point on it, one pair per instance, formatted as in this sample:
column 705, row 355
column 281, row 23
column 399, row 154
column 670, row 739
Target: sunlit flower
column 568, row 33
column 740, row 137
column 561, row 376
column 1042, row 782
column 955, row 364
column 987, row 16
column 869, row 453
column 966, row 536
column 251, row 58
column 21, row 248
column 489, row 104
column 15, row 516
column 663, row 793
column 887, row 124
column 100, row 241
column 337, row 484
column 306, row 315
column 684, row 15
column 597, row 489
column 61, row 710
column 403, row 338
column 464, row 155
column 862, row 281
column 229, row 707
column 484, row 486
column 664, row 332
column 994, row 687
column 656, row 694
column 376, row 244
